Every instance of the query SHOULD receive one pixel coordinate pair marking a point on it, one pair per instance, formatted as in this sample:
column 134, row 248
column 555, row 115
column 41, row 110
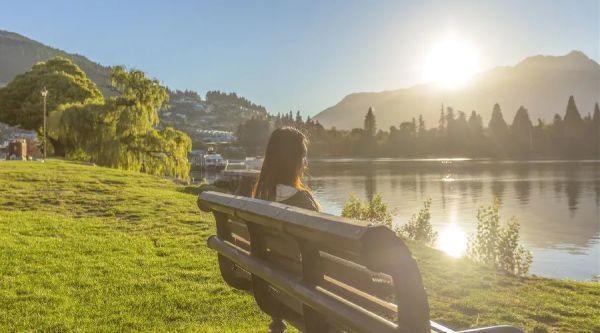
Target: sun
column 451, row 63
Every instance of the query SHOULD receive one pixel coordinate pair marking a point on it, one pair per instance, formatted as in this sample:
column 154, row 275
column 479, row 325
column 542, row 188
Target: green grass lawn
column 94, row 249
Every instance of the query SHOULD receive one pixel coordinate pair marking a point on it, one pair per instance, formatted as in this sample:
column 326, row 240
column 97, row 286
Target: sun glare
column 451, row 63
column 452, row 239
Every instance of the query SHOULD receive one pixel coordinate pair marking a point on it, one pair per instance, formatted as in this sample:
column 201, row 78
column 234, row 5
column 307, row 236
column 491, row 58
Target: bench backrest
column 322, row 273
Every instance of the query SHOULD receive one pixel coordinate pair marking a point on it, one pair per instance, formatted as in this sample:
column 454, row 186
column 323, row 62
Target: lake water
column 556, row 202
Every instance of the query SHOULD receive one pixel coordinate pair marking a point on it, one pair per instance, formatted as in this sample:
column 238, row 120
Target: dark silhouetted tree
column 370, row 125
column 498, row 131
column 521, row 134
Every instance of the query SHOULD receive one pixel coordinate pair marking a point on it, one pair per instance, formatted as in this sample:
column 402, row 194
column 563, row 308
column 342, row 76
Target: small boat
column 253, row 163
column 214, row 161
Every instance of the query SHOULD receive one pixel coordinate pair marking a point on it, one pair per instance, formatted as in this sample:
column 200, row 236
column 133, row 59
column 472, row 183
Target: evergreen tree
column 298, row 118
column 475, row 125
column 572, row 144
column 370, row 125
column 442, row 122
column 595, row 132
column 476, row 138
column 421, row 130
column 572, row 120
column 521, row 133
column 498, row 130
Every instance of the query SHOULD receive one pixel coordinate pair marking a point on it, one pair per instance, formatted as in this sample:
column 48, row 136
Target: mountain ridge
column 541, row 83
column 20, row 53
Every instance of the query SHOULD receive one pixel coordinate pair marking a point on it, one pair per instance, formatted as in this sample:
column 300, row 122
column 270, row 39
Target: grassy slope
column 91, row 248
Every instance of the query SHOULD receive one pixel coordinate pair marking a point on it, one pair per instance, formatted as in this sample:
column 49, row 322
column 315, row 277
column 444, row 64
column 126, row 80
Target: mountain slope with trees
column 19, row 53
column 539, row 83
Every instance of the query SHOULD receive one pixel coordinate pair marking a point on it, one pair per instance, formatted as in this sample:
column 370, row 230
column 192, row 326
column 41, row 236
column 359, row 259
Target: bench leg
column 277, row 325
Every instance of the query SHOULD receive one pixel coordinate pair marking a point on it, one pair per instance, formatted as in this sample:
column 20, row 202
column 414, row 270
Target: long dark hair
column 284, row 163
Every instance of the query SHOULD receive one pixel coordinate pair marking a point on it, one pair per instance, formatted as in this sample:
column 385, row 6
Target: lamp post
column 44, row 95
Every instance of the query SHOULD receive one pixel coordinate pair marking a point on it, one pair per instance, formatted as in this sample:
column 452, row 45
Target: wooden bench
column 318, row 272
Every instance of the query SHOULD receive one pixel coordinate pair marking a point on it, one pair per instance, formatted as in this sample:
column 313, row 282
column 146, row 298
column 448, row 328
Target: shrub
column 78, row 155
column 419, row 227
column 498, row 245
column 374, row 211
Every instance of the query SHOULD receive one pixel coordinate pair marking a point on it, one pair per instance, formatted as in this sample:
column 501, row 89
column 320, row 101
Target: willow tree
column 21, row 100
column 87, row 132
column 123, row 132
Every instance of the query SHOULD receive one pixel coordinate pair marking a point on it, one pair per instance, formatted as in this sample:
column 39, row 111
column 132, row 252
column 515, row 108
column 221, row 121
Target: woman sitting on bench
column 281, row 174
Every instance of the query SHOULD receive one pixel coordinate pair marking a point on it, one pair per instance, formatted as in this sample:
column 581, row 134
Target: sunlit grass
column 94, row 249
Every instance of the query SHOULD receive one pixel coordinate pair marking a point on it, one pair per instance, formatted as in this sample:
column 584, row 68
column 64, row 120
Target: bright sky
column 301, row 55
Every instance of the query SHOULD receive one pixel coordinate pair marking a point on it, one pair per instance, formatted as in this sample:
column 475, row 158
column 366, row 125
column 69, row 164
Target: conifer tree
column 498, row 130
column 370, row 125
column 521, row 133
column 572, row 120
column 442, row 122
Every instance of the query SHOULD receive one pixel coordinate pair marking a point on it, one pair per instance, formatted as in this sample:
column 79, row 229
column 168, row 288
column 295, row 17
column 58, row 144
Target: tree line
column 456, row 134
column 120, row 131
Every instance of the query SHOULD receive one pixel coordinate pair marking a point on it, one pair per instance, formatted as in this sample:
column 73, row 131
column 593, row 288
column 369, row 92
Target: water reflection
column 559, row 215
column 523, row 190
column 573, row 191
column 498, row 189
column 370, row 185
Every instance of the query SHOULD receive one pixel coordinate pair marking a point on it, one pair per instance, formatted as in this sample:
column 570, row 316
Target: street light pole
column 45, row 94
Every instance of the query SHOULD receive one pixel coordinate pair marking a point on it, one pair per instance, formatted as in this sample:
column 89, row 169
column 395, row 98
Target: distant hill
column 542, row 84
column 18, row 54
column 219, row 111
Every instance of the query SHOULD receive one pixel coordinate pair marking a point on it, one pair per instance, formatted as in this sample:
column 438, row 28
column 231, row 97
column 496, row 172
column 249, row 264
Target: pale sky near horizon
column 301, row 55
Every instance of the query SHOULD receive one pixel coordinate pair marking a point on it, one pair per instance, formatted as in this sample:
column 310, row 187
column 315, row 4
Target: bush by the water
column 419, row 227
column 497, row 245
column 374, row 211
column 492, row 244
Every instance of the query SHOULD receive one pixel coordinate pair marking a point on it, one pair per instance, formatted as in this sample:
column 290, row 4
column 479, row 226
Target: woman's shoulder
column 303, row 199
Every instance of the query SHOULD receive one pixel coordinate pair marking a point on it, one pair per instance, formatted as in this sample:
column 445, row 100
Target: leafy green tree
column 21, row 100
column 87, row 132
column 122, row 133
